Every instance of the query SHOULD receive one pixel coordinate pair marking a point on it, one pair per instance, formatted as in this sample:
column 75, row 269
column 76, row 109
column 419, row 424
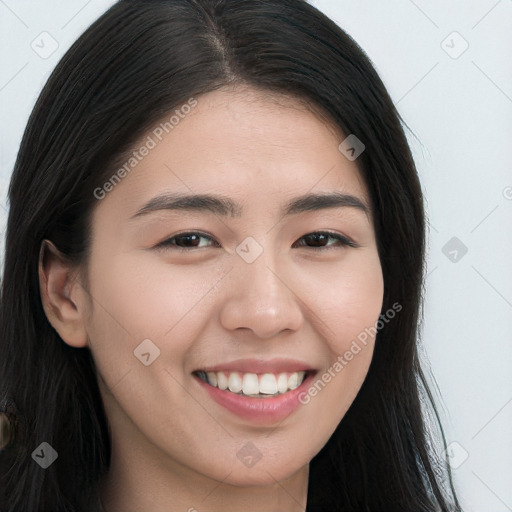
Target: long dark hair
column 134, row 65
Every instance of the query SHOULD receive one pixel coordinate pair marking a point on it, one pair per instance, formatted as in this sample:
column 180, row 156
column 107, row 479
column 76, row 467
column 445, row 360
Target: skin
column 173, row 447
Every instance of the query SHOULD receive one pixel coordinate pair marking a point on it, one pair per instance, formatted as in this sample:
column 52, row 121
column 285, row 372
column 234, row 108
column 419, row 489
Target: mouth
column 262, row 392
column 254, row 385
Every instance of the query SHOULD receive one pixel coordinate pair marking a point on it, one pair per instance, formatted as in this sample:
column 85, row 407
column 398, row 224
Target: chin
column 260, row 474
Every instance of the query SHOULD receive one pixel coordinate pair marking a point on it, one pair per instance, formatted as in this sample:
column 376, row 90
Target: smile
column 261, row 392
column 253, row 385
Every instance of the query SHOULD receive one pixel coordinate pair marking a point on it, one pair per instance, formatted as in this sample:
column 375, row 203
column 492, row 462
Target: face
column 253, row 290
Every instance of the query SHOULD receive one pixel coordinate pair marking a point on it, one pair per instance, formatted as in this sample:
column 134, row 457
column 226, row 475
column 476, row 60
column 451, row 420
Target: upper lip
column 275, row 366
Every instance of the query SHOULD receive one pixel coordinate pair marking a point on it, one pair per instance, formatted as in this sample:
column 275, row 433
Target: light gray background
column 459, row 105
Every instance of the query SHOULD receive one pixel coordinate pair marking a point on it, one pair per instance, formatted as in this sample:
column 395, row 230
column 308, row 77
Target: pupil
column 187, row 238
column 315, row 238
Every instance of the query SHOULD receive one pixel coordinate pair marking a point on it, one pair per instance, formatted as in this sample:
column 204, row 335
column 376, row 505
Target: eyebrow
column 225, row 206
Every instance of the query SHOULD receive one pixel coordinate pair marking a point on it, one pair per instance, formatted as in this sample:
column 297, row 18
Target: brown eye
column 184, row 241
column 320, row 240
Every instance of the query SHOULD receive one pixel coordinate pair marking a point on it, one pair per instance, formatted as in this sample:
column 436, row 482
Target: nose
column 261, row 299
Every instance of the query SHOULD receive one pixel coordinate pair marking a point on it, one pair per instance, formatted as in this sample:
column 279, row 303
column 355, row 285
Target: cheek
column 347, row 296
column 148, row 299
column 134, row 300
column 347, row 305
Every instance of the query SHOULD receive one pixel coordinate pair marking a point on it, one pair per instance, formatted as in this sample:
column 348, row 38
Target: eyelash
column 169, row 242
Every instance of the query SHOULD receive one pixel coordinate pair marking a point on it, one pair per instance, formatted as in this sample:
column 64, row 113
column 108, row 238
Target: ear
column 62, row 295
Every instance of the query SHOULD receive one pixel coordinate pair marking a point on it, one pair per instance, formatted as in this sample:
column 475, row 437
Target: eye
column 184, row 241
column 320, row 239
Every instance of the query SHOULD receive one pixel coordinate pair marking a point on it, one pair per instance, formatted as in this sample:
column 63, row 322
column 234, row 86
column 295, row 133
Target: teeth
column 212, row 377
column 251, row 384
column 222, row 381
column 234, row 382
column 293, row 381
column 268, row 384
column 282, row 383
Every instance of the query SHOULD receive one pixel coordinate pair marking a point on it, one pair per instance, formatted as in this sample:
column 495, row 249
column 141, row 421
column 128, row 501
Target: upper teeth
column 252, row 384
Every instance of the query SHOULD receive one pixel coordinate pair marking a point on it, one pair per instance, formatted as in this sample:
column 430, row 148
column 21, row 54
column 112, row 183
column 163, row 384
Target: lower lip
column 260, row 410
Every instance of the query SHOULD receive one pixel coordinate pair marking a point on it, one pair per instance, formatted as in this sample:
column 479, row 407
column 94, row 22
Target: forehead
column 241, row 143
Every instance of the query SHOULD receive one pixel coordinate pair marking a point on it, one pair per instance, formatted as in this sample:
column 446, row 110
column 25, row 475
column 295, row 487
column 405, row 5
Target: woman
column 271, row 366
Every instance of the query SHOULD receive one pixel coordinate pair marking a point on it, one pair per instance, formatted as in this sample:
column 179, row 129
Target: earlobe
column 61, row 295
